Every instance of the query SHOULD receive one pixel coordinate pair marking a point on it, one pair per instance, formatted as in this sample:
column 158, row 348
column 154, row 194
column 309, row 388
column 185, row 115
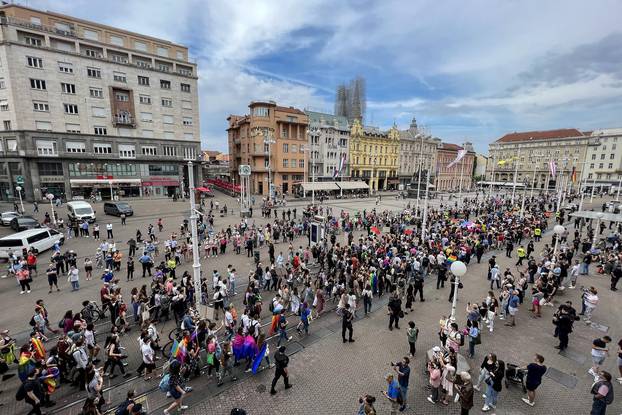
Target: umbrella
column 375, row 230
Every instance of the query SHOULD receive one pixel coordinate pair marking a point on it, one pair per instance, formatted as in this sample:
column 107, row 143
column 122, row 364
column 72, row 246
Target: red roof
column 450, row 146
column 540, row 135
column 291, row 110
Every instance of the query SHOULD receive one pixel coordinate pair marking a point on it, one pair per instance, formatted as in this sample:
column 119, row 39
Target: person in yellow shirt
column 171, row 264
column 522, row 254
column 537, row 233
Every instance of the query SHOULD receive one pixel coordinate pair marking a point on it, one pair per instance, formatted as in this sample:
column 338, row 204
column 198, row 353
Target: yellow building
column 374, row 156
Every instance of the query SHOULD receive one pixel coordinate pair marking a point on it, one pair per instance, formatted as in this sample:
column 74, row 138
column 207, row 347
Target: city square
column 239, row 208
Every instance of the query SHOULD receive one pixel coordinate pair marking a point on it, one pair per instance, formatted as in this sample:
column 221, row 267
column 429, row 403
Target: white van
column 80, row 210
column 41, row 239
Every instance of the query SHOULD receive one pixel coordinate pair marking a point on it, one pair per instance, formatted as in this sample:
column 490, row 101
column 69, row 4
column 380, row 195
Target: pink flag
column 552, row 168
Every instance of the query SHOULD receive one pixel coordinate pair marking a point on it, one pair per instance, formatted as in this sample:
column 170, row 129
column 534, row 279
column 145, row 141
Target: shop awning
column 160, row 182
column 307, row 187
column 604, row 216
column 82, row 182
column 352, row 185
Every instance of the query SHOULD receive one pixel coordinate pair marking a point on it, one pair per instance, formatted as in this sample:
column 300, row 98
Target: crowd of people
column 381, row 253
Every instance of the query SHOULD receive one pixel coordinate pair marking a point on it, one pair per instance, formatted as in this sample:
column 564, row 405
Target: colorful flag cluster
column 179, row 350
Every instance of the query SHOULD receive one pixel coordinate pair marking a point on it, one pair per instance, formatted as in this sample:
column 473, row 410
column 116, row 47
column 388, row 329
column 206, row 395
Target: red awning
column 202, row 189
column 161, row 183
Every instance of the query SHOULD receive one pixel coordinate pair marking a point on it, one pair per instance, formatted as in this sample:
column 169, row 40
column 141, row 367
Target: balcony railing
column 126, row 120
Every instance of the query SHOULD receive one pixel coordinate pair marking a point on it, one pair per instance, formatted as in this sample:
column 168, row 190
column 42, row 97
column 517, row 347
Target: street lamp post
column 19, row 193
column 458, row 268
column 196, row 265
column 50, row 197
column 425, row 206
column 269, row 141
column 599, row 217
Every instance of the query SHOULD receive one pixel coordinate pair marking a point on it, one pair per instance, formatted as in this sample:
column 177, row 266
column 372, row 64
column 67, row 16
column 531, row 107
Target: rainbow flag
column 50, row 378
column 24, row 366
column 179, row 350
column 38, row 349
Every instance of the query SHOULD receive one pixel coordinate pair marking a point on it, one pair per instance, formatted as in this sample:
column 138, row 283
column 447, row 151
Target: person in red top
column 31, row 260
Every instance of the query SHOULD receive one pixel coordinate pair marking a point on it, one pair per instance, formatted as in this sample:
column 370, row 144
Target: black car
column 117, row 208
column 21, row 223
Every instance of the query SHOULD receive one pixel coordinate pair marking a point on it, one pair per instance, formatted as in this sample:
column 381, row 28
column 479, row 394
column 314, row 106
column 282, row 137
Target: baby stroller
column 515, row 374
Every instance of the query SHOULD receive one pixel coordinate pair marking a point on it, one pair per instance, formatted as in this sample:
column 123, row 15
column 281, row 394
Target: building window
column 101, row 148
column 591, row 165
column 122, row 96
column 185, row 87
column 143, row 80
column 96, row 92
column 140, row 46
column 127, row 151
column 32, row 41
column 164, row 84
column 147, row 133
column 167, row 119
column 187, row 121
column 285, row 148
column 261, row 112
column 65, row 67
column 589, row 176
column 93, row 72
column 71, row 109
column 169, row 135
column 50, row 169
column 266, row 163
column 612, row 156
column 593, row 156
column 90, row 34
column 43, row 125
column 190, row 153
column 162, row 51
column 150, row 151
column 2, row 84
column 116, row 40
column 295, row 148
column 75, row 147
column 98, row 112
column 285, row 163
column 37, row 84
column 72, row 128
column 284, row 132
column 301, row 163
column 144, row 99
column 46, row 148
column 34, row 62
column 146, row 117
column 91, row 53
column 169, row 151
column 68, row 88
column 610, row 166
column 285, row 177
column 4, row 105
column 41, row 106
column 11, row 145
column 119, row 77
column 187, row 105
column 167, row 102
column 100, row 131
column 600, row 166
column 7, row 125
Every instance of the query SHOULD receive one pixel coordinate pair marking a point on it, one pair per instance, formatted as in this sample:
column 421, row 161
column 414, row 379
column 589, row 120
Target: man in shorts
column 599, row 353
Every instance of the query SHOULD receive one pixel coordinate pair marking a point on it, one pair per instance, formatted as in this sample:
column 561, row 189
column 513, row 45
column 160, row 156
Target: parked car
column 41, row 239
column 22, row 223
column 6, row 217
column 80, row 211
column 613, row 206
column 117, row 208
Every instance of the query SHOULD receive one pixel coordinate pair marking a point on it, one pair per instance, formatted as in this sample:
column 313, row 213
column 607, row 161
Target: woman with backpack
column 175, row 387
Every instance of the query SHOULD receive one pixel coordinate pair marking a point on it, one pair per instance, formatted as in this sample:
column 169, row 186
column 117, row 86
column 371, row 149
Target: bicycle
column 91, row 312
column 166, row 349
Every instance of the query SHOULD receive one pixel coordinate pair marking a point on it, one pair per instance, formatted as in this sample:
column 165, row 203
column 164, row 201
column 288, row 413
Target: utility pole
column 196, row 264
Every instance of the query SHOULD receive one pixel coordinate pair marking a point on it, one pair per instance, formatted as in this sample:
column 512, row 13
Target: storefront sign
column 52, row 179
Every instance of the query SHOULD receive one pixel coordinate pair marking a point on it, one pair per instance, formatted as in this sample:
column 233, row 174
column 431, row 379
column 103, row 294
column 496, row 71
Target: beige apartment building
column 86, row 108
column 272, row 140
column 418, row 151
column 531, row 151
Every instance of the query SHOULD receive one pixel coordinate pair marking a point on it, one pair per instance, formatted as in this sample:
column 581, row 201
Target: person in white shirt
column 590, row 301
column 148, row 357
column 91, row 345
column 232, row 277
column 109, row 231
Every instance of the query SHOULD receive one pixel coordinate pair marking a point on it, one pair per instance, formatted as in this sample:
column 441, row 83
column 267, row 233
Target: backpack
column 32, row 321
column 122, row 409
column 271, row 306
column 61, row 324
column 165, row 382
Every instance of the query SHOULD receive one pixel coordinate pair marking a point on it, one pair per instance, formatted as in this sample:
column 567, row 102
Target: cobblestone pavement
column 329, row 376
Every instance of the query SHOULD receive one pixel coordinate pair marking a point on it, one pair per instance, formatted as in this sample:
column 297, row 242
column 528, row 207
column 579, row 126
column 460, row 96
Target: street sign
column 19, row 179
column 245, row 170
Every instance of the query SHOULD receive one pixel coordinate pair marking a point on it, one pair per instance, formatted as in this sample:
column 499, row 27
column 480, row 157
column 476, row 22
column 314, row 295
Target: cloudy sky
column 469, row 70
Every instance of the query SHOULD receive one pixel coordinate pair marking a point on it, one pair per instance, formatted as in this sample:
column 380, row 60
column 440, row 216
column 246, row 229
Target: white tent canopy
column 604, row 216
column 307, row 187
column 352, row 185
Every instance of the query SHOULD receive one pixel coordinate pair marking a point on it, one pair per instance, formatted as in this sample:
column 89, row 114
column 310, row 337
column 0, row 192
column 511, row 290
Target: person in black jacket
column 280, row 361
column 395, row 308
column 494, row 382
column 564, row 321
